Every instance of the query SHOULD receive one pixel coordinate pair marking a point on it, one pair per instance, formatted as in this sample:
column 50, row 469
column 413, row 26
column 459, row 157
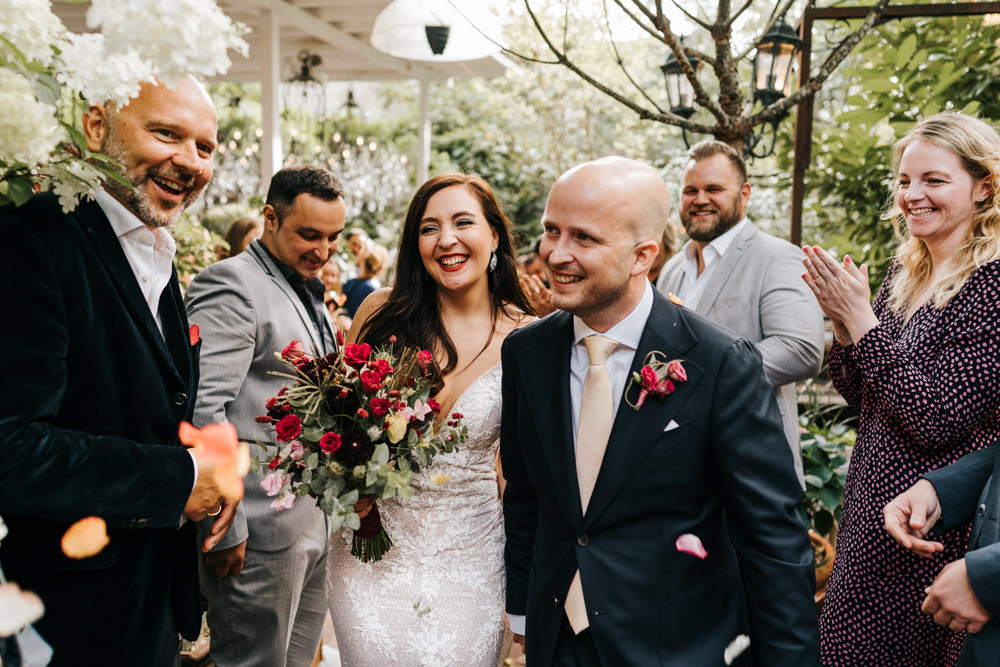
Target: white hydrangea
column 32, row 27
column 28, row 128
column 178, row 37
column 89, row 67
column 71, row 181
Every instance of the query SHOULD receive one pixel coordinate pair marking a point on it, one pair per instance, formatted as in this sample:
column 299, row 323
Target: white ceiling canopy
column 436, row 31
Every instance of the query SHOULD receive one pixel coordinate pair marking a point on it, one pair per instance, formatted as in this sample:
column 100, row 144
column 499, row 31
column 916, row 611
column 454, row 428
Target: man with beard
column 743, row 278
column 265, row 583
column 99, row 368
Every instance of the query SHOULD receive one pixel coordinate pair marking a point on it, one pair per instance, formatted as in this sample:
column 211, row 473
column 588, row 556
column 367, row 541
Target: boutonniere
column 656, row 377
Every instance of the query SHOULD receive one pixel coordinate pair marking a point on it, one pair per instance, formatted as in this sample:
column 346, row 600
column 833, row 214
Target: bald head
column 632, row 187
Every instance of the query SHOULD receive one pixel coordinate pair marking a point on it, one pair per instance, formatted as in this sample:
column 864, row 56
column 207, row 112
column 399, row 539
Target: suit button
column 555, row 600
column 180, row 398
column 583, row 540
column 981, row 510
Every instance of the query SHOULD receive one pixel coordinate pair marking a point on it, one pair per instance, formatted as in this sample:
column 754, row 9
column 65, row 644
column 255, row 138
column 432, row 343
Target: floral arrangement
column 656, row 377
column 44, row 68
column 355, row 423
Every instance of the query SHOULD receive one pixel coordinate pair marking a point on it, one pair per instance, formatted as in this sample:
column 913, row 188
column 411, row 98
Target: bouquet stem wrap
column 370, row 540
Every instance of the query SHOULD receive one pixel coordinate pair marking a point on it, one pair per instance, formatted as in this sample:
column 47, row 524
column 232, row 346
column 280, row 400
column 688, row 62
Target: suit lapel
column 548, row 400
column 108, row 248
column 267, row 264
column 725, row 269
column 635, row 432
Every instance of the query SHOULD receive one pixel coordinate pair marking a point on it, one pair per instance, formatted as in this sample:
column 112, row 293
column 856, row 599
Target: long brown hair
column 411, row 310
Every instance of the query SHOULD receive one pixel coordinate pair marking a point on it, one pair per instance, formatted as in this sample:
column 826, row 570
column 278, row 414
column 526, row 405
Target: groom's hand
column 227, row 562
column 221, row 525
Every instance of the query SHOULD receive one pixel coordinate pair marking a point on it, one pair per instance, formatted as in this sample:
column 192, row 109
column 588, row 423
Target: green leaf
column 813, row 481
column 906, row 50
column 20, row 189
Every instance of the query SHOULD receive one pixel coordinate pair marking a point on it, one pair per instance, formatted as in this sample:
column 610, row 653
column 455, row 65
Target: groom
column 598, row 494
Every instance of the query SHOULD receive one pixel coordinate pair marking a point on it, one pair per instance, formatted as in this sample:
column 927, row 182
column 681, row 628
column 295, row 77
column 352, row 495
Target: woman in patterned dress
column 437, row 596
column 922, row 365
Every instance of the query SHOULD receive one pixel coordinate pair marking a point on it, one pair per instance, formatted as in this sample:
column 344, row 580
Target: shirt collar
column 720, row 244
column 628, row 331
column 125, row 223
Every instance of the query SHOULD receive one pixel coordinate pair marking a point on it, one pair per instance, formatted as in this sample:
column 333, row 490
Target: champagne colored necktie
column 596, row 419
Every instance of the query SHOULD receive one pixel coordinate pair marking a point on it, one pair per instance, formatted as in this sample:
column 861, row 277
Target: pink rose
column 649, row 378
column 664, row 388
column 676, row 371
column 289, row 427
column 285, row 502
column 424, row 358
column 273, row 483
column 330, row 442
column 297, row 450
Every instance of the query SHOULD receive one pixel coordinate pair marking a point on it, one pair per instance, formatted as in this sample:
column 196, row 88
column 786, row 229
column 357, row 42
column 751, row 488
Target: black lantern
column 680, row 93
column 304, row 90
column 772, row 80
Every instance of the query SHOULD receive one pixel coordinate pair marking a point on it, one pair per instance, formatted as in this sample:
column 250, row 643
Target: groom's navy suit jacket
column 723, row 473
column 90, row 401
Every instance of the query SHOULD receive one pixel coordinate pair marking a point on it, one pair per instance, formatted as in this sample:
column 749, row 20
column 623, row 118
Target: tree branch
column 705, row 25
column 638, row 21
column 621, row 63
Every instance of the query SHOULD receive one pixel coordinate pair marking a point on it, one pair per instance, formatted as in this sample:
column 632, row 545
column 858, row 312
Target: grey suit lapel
column 269, row 267
column 725, row 269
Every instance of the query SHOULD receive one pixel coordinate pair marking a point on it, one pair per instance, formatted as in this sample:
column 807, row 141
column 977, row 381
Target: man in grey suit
column 744, row 279
column 265, row 581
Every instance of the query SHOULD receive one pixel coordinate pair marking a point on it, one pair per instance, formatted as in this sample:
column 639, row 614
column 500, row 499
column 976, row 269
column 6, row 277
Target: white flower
column 32, row 27
column 89, row 67
column 178, row 37
column 28, row 128
column 71, row 180
column 735, row 648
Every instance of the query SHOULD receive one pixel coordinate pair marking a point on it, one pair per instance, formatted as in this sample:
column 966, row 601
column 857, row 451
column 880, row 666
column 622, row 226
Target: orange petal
column 229, row 476
column 215, row 443
column 85, row 538
column 674, row 299
column 17, row 608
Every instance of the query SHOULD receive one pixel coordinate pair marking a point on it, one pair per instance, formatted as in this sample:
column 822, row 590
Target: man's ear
column 95, row 126
column 645, row 254
column 271, row 222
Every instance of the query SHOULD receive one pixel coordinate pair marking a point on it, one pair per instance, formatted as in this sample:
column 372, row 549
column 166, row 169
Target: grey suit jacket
column 246, row 311
column 757, row 292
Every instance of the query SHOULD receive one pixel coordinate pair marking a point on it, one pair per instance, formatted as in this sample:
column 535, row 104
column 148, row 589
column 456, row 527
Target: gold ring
column 216, row 512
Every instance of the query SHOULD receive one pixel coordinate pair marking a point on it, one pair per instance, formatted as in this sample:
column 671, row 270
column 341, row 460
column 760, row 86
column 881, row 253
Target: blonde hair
column 977, row 145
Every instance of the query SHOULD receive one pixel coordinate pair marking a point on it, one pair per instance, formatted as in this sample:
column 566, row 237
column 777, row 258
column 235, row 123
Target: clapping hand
column 842, row 291
column 538, row 295
column 911, row 515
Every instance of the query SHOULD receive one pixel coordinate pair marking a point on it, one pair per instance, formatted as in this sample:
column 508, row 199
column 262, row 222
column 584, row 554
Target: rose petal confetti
column 674, row 299
column 85, row 538
column 735, row 648
column 17, row 608
column 440, row 478
column 219, row 446
column 691, row 544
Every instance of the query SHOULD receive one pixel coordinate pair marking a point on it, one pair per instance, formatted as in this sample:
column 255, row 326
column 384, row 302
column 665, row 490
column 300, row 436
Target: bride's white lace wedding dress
column 437, row 596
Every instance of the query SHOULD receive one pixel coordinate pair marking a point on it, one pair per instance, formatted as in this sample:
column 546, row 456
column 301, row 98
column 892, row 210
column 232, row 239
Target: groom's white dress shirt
column 627, row 334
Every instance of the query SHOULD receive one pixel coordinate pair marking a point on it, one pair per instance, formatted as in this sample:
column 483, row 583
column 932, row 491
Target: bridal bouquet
column 355, row 423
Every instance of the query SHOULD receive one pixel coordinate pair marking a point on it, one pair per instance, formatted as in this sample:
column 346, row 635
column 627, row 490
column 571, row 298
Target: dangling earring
column 493, row 260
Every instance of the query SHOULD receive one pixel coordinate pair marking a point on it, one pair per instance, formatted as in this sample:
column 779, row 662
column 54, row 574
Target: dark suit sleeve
column 960, row 485
column 52, row 472
column 759, row 489
column 519, row 499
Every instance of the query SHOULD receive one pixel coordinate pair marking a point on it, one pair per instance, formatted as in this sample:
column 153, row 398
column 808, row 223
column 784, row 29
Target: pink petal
column 735, row 648
column 691, row 544
column 17, row 608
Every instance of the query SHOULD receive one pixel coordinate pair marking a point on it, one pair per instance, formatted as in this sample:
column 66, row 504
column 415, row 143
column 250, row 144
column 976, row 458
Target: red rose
column 263, row 419
column 380, row 406
column 664, row 387
column 330, row 442
column 271, row 402
column 424, row 358
column 382, row 367
column 370, row 381
column 289, row 427
column 457, row 415
column 434, row 405
column 287, row 407
column 356, row 355
column 293, row 351
column 275, row 462
column 362, row 413
column 649, row 378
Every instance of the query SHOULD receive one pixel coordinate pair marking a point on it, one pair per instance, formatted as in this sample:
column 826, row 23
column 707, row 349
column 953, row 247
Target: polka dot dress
column 928, row 392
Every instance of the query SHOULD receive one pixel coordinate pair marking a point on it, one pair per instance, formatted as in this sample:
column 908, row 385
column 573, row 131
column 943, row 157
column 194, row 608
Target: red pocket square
column 193, row 331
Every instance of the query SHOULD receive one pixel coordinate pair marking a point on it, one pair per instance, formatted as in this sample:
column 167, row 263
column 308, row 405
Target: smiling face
column 306, row 235
column 164, row 140
column 456, row 240
column 936, row 194
column 713, row 198
column 592, row 248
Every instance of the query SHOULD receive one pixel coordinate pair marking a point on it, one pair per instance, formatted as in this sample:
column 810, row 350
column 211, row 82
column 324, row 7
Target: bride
column 437, row 596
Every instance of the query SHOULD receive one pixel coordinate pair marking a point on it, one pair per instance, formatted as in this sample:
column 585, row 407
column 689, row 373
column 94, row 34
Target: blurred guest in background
column 240, row 234
column 923, row 367
column 357, row 289
column 669, row 243
column 535, row 283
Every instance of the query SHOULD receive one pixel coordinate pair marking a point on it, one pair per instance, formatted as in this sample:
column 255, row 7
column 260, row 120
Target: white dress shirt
column 627, row 334
column 150, row 252
column 692, row 285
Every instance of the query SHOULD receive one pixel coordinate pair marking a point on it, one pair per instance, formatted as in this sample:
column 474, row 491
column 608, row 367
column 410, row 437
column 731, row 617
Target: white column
column 424, row 159
column 270, row 90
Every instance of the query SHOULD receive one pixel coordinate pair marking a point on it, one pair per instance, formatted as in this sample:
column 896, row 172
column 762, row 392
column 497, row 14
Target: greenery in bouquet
column 354, row 423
